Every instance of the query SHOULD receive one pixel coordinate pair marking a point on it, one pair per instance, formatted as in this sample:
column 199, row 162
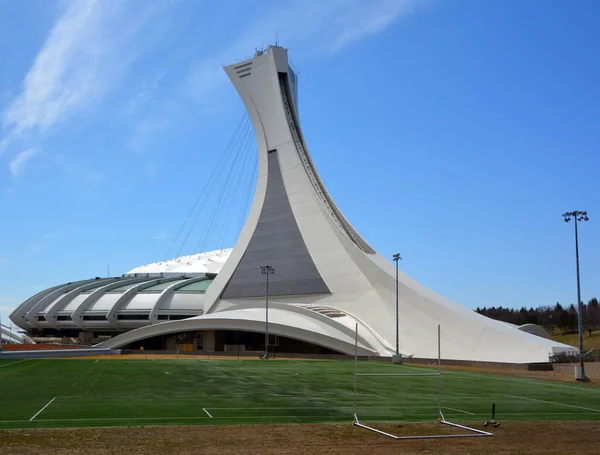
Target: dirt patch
column 549, row 438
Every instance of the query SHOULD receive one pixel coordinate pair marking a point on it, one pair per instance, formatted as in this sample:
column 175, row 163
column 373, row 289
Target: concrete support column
column 85, row 337
column 209, row 340
column 171, row 344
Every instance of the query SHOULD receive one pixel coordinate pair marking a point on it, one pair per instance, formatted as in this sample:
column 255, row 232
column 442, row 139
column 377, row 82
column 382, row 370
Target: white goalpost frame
column 474, row 432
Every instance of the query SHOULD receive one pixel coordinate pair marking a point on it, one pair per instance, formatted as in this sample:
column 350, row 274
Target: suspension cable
column 201, row 195
column 230, row 155
column 233, row 191
column 222, row 199
column 248, row 193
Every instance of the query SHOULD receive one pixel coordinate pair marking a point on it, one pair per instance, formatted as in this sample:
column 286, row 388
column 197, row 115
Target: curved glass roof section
column 126, row 286
column 99, row 284
column 162, row 286
column 198, row 286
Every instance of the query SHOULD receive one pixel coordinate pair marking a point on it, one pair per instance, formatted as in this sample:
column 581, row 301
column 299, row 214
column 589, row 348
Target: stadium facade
column 327, row 277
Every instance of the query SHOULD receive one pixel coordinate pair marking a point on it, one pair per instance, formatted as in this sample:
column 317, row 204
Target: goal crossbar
column 473, row 432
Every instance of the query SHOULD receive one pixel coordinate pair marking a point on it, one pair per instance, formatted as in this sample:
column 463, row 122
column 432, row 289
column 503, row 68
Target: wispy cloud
column 161, row 235
column 7, row 305
column 78, row 170
column 41, row 244
column 145, row 94
column 314, row 25
column 87, row 53
column 369, row 18
column 17, row 165
column 66, row 72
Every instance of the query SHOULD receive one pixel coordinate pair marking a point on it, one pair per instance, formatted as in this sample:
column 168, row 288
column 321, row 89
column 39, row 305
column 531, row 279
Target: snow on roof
column 208, row 262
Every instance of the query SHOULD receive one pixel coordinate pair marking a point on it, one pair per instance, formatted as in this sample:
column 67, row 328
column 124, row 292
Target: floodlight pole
column 396, row 257
column 267, row 270
column 578, row 216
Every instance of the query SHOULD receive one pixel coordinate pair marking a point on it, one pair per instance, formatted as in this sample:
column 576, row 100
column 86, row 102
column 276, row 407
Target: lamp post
column 578, row 216
column 397, row 358
column 267, row 270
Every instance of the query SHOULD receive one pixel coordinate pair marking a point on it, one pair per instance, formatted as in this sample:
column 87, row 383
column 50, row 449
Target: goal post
column 472, row 432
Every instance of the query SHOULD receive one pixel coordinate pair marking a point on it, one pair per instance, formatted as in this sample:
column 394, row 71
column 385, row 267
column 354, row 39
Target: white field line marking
column 207, row 413
column 458, row 410
column 40, row 411
column 259, row 409
column 9, row 364
column 554, row 402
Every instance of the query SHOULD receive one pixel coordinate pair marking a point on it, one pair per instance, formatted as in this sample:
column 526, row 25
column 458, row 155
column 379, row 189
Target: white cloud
column 314, row 25
column 66, row 72
column 17, row 165
column 7, row 306
column 87, row 53
column 161, row 235
column 42, row 243
column 370, row 18
column 79, row 171
column 145, row 95
column 8, row 303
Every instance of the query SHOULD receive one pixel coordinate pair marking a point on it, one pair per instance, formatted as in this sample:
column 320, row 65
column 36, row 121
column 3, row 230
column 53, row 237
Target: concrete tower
column 327, row 276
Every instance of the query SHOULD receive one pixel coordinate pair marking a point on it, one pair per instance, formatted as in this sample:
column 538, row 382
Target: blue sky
column 455, row 132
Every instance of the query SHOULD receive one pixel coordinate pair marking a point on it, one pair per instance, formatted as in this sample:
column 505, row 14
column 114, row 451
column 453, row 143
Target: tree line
column 555, row 319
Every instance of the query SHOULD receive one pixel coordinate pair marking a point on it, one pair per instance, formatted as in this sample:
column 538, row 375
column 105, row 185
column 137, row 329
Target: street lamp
column 267, row 270
column 397, row 358
column 578, row 216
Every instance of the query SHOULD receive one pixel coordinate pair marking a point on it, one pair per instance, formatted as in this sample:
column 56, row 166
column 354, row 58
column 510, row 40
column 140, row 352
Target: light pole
column 397, row 358
column 578, row 216
column 267, row 270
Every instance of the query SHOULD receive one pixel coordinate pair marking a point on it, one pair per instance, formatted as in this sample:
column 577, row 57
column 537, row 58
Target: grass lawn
column 84, row 392
column 572, row 339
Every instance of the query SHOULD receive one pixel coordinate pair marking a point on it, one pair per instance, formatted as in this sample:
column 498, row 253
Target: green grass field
column 78, row 393
column 572, row 339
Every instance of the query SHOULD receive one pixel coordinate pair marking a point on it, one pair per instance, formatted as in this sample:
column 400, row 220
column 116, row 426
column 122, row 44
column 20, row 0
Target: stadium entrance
column 227, row 342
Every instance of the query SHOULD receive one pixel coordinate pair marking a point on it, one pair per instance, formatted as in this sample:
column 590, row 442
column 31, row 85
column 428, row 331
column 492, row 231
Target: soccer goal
column 471, row 432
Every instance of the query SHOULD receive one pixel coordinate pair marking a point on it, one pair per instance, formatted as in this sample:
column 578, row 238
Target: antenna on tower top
column 276, row 39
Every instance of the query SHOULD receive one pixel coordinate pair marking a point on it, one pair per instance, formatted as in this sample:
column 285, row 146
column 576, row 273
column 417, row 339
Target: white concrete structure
column 8, row 335
column 323, row 266
column 168, row 290
column 327, row 278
